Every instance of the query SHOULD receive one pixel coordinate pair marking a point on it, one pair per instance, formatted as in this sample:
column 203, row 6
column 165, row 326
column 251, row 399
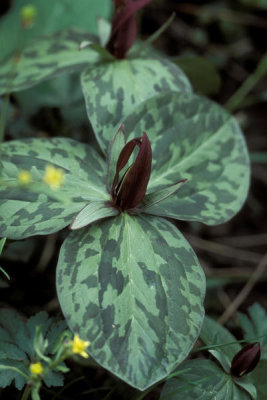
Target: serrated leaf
column 212, row 333
column 13, row 370
column 25, row 212
column 112, row 90
column 203, row 380
column 256, row 326
column 193, row 138
column 46, row 58
column 17, row 345
column 53, row 378
column 92, row 212
column 134, row 288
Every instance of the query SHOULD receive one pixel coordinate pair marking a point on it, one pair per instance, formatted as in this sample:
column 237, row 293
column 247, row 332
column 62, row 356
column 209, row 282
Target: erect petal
column 132, row 187
column 246, row 359
column 124, row 26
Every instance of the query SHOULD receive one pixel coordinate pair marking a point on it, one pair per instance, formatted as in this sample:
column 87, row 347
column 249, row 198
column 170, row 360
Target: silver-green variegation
column 133, row 286
column 127, row 280
column 113, row 90
column 46, row 58
column 35, row 209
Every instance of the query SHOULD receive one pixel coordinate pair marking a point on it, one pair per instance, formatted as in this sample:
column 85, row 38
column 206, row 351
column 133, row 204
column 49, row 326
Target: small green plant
column 34, row 351
column 230, row 377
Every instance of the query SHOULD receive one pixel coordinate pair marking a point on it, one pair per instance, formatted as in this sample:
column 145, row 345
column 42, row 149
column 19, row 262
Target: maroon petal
column 124, row 26
column 124, row 156
column 132, row 188
column 246, row 359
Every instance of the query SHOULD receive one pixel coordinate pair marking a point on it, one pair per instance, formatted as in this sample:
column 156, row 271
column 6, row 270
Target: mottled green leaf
column 92, row 212
column 27, row 211
column 45, row 58
column 112, row 90
column 256, row 326
column 134, row 288
column 193, row 138
column 203, row 380
column 213, row 334
column 51, row 16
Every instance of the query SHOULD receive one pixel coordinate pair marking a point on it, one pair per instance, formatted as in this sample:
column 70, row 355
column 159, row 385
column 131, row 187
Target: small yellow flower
column 36, row 368
column 79, row 346
column 53, row 177
column 28, row 15
column 24, row 177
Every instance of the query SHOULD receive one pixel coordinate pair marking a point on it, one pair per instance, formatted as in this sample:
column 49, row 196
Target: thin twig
column 243, row 294
column 223, row 250
column 223, row 14
column 245, row 240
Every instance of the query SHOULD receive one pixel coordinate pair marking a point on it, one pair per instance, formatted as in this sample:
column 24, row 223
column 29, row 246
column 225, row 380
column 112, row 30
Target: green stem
column 238, row 97
column 26, row 392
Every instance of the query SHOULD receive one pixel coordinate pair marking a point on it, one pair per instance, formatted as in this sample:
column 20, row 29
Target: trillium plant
column 127, row 280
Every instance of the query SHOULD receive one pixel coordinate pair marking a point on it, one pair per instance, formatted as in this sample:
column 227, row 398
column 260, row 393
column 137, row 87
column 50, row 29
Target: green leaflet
column 112, row 90
column 203, row 380
column 193, row 138
column 24, row 212
column 133, row 287
column 45, row 58
column 17, row 349
column 160, row 195
column 212, row 334
column 92, row 213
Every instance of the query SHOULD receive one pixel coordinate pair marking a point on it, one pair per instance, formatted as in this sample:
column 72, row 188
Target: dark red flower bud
column 131, row 189
column 246, row 359
column 124, row 26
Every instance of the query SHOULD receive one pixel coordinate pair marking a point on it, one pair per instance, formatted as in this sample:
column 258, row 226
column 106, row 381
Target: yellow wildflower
column 36, row 368
column 79, row 346
column 53, row 177
column 28, row 15
column 24, row 177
